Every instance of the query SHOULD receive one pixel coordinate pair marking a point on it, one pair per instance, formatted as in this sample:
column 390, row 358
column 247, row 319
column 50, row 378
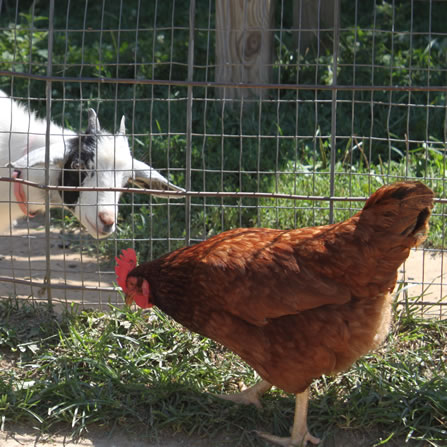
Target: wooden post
column 244, row 45
column 311, row 16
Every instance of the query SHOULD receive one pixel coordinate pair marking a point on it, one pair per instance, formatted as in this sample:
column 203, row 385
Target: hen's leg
column 250, row 395
column 300, row 434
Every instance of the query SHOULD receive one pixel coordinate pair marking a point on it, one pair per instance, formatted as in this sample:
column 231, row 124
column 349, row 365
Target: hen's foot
column 300, row 435
column 249, row 396
column 300, row 441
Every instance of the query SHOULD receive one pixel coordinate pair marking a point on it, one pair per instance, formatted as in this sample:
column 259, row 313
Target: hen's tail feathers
column 401, row 209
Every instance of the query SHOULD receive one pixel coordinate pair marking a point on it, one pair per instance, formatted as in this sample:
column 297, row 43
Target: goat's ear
column 145, row 176
column 92, row 122
column 123, row 126
column 37, row 157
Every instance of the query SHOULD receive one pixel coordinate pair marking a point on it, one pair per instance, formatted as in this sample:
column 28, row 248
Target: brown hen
column 294, row 304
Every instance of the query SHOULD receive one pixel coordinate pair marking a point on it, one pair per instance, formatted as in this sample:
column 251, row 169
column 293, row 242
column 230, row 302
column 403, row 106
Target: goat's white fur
column 22, row 148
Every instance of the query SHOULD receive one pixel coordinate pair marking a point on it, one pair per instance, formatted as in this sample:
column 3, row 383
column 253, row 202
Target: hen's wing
column 256, row 274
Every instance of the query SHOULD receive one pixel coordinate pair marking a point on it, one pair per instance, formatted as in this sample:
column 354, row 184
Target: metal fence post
column 47, row 155
column 192, row 12
column 334, row 108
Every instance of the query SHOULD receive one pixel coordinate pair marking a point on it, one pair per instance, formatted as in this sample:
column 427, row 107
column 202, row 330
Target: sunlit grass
column 142, row 371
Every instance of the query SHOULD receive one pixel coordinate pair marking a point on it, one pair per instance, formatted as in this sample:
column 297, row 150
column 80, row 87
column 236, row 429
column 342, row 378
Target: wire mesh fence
column 279, row 114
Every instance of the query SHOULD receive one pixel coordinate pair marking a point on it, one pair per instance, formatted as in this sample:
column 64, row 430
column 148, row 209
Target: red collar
column 20, row 195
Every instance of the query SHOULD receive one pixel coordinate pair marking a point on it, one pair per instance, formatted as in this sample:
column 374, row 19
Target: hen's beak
column 129, row 300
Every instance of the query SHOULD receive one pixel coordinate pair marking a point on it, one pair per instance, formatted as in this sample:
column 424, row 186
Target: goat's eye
column 78, row 165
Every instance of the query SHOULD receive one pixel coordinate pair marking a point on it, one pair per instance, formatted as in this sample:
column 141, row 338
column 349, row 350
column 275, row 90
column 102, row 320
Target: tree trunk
column 244, row 45
column 313, row 21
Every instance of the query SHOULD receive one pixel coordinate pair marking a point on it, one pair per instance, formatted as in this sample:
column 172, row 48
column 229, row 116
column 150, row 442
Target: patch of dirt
column 7, row 362
column 22, row 256
column 425, row 276
column 360, row 438
column 21, row 436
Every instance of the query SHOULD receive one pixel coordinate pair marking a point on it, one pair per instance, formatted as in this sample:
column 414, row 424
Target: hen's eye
column 132, row 283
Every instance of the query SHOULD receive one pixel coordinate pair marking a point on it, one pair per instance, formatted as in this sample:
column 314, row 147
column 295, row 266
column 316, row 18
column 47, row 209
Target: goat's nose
column 108, row 220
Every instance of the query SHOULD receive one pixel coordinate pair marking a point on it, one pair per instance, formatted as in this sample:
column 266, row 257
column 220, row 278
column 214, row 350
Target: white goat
column 93, row 159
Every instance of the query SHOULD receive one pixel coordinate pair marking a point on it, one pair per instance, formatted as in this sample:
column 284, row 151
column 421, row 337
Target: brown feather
column 300, row 303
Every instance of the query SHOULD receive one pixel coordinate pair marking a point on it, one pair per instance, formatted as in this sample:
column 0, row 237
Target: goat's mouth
column 96, row 231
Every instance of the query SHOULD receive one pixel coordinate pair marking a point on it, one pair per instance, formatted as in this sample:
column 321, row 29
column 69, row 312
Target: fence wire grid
column 277, row 114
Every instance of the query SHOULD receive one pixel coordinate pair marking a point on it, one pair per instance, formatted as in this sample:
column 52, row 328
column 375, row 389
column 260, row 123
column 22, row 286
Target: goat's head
column 93, row 159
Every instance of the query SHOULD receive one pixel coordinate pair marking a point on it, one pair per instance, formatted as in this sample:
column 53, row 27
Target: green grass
column 164, row 223
column 281, row 145
column 141, row 371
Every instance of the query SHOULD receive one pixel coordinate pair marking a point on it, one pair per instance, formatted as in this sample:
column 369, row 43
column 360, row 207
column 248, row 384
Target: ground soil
column 22, row 255
column 20, row 436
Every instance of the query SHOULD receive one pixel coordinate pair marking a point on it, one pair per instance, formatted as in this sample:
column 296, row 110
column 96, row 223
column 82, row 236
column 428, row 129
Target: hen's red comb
column 126, row 262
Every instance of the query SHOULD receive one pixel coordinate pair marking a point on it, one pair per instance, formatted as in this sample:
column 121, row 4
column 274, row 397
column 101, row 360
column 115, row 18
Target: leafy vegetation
column 144, row 372
column 281, row 144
